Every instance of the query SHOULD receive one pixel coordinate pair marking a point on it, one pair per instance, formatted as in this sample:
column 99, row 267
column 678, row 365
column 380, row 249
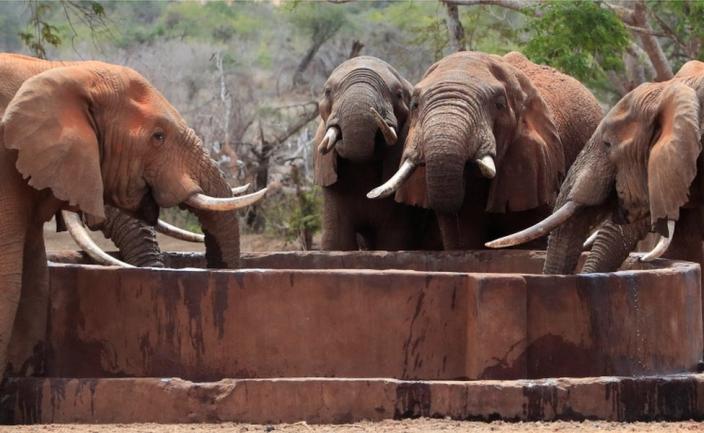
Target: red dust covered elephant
column 490, row 139
column 80, row 137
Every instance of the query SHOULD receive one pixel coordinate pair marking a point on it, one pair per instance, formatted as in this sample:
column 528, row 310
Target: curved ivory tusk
column 240, row 189
column 178, row 233
column 394, row 182
column 328, row 141
column 78, row 232
column 206, row 202
column 537, row 230
column 590, row 240
column 387, row 131
column 662, row 244
column 487, row 166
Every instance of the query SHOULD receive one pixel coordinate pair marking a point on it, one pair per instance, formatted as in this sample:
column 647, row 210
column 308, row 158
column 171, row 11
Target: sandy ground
column 409, row 426
column 248, row 243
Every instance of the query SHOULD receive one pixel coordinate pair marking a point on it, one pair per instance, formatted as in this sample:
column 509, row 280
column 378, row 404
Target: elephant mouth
column 148, row 209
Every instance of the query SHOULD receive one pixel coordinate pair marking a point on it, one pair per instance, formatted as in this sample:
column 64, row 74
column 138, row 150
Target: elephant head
column 363, row 109
column 97, row 134
column 474, row 114
column 636, row 170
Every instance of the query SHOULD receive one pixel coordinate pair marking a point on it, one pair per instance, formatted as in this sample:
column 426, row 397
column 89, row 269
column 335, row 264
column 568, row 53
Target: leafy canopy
column 581, row 38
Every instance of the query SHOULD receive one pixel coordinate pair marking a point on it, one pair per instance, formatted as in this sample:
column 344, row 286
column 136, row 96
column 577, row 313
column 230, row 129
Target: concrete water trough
column 340, row 337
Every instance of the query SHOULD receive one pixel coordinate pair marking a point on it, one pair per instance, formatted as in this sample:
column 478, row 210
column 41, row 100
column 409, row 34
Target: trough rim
column 659, row 266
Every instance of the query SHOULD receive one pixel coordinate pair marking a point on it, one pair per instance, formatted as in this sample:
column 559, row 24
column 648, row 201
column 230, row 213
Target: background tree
column 229, row 67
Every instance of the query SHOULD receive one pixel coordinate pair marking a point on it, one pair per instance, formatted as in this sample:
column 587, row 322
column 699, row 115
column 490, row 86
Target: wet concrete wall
column 301, row 320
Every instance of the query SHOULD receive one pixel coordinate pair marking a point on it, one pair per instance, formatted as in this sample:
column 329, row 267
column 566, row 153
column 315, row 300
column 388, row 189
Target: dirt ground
column 248, row 243
column 409, row 426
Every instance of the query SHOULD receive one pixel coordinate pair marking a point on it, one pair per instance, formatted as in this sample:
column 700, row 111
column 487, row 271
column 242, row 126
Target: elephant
column 363, row 110
column 135, row 239
column 79, row 137
column 640, row 172
column 489, row 141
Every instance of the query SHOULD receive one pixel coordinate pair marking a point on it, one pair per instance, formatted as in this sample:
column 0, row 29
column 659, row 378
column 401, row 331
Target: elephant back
column 575, row 110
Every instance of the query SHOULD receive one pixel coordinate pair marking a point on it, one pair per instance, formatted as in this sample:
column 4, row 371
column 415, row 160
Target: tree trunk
column 356, row 49
column 303, row 65
column 454, row 27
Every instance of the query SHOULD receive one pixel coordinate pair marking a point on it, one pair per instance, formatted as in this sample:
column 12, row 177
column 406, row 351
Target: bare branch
column 636, row 20
column 663, row 70
column 356, row 48
column 523, row 6
column 624, row 14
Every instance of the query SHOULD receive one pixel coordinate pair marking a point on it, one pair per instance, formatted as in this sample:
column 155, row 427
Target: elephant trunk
column 589, row 183
column 613, row 244
column 135, row 239
column 221, row 229
column 445, row 144
column 358, row 123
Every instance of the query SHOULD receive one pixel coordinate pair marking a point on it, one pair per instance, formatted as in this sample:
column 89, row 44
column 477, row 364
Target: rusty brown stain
column 220, row 289
column 412, row 400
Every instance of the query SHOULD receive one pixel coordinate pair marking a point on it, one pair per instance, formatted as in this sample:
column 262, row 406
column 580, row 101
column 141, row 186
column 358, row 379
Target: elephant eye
column 327, row 92
column 607, row 144
column 501, row 103
column 159, row 136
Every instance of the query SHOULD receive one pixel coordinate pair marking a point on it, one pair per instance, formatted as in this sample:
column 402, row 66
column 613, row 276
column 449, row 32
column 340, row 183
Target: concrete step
column 330, row 400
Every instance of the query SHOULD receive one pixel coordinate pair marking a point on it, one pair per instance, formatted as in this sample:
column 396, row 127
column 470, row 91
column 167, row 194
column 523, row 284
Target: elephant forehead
column 691, row 68
column 641, row 103
column 349, row 67
column 473, row 82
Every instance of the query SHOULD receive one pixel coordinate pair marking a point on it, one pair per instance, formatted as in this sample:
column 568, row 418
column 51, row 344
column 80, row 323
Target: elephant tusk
column 487, row 166
column 394, row 182
column 328, row 141
column 206, row 202
column 78, row 232
column 240, row 189
column 590, row 240
column 537, row 230
column 387, row 130
column 178, row 233
column 662, row 244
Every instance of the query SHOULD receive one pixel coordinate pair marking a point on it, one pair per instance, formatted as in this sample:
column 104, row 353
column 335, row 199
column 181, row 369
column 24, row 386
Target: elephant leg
column 26, row 353
column 12, row 241
column 461, row 231
column 449, row 230
column 391, row 238
column 613, row 244
column 135, row 239
column 338, row 228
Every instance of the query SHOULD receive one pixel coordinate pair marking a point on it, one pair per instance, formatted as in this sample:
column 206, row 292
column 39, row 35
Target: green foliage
column 217, row 21
column 683, row 22
column 289, row 215
column 581, row 38
column 422, row 23
column 40, row 32
column 491, row 29
column 316, row 21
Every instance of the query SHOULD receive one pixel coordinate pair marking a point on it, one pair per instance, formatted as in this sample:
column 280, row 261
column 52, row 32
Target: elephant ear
column 413, row 191
column 672, row 165
column 49, row 123
column 325, row 166
column 530, row 171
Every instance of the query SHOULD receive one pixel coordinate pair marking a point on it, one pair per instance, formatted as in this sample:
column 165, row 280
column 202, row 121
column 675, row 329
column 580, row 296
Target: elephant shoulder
column 575, row 110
